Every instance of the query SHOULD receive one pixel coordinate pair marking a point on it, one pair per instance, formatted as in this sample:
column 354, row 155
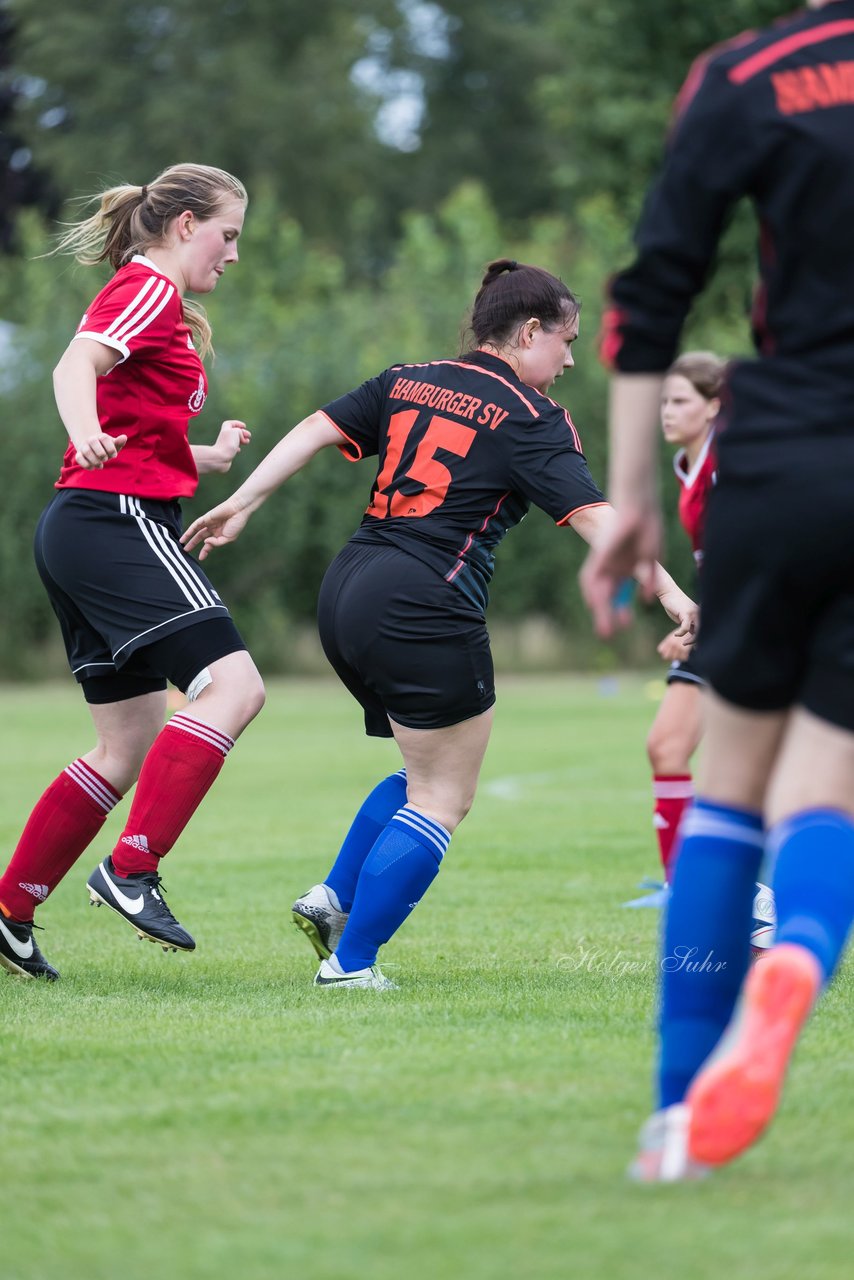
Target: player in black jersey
column 769, row 116
column 464, row 446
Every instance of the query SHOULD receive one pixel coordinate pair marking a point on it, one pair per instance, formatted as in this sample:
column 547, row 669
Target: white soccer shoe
column 663, row 1149
column 321, row 922
column 372, row 978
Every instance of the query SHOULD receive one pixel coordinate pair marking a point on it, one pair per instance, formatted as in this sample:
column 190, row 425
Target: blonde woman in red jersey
column 690, row 403
column 135, row 610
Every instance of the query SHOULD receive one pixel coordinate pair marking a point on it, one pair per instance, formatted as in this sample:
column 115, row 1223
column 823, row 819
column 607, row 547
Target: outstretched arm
column 631, row 545
column 597, row 526
column 224, row 523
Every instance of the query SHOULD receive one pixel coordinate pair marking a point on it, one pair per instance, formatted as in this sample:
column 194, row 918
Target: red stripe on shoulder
column 789, row 44
column 697, row 72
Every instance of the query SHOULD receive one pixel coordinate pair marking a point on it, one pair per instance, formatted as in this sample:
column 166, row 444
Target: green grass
column 214, row 1116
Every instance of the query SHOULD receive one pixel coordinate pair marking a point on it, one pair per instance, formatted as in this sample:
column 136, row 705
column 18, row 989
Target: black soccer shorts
column 406, row 643
column 121, row 585
column 777, row 590
column 687, row 670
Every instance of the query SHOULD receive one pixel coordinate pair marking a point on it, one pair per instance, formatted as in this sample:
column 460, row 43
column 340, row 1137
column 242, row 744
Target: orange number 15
column 425, row 469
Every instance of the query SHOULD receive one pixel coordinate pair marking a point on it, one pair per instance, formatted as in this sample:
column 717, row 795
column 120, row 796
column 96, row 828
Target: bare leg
column 443, row 766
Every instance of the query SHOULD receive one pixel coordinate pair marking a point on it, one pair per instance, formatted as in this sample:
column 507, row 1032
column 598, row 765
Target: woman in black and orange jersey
column 464, row 446
column 135, row 610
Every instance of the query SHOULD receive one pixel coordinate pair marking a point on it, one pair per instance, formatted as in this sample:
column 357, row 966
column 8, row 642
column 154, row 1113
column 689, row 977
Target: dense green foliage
column 541, row 122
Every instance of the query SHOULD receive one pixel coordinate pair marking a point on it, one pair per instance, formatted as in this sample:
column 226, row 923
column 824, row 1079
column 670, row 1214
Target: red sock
column 673, row 793
column 66, row 819
column 180, row 767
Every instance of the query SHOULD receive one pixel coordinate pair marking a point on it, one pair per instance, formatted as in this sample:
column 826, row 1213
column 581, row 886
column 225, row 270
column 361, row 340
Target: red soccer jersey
column 694, row 491
column 151, row 394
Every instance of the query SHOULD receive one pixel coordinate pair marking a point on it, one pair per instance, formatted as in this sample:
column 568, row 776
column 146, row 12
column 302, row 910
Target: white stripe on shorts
column 173, row 560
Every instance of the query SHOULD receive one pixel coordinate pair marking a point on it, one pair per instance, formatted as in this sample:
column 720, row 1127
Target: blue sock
column 706, row 948
column 397, row 873
column 383, row 802
column 813, row 882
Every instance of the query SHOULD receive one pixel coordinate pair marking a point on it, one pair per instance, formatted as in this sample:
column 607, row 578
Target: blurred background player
column 770, row 115
column 135, row 610
column 690, row 404
column 464, row 446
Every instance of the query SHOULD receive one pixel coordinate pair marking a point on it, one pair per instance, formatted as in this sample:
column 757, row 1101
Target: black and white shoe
column 320, row 921
column 372, row 978
column 138, row 899
column 19, row 952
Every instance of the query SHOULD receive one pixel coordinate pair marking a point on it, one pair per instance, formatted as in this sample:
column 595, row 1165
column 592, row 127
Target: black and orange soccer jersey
column 768, row 116
column 464, row 448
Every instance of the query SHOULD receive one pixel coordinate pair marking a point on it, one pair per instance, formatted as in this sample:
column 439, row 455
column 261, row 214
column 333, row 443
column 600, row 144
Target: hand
column 686, row 614
column 216, row 528
column 675, row 646
column 232, row 436
column 629, row 549
column 94, row 452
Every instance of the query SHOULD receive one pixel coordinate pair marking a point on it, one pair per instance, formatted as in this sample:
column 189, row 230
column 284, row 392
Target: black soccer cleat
column 19, row 952
column 138, row 900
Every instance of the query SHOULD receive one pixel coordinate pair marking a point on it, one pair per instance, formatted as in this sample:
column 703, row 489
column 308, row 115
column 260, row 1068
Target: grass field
column 215, row 1116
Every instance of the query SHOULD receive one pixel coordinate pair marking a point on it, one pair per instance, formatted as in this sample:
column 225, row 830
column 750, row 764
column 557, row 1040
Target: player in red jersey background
column 690, row 403
column 134, row 609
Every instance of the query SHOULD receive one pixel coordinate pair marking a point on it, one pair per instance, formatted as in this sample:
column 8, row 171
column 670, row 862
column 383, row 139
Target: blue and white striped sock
column 706, row 945
column 381, row 805
column 397, row 872
column 813, row 882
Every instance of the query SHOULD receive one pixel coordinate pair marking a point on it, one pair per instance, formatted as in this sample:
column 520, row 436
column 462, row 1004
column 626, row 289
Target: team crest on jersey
column 197, row 399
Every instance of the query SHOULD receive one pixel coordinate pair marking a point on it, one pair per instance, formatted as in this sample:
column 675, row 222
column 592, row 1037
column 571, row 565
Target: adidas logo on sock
column 38, row 891
column 136, row 842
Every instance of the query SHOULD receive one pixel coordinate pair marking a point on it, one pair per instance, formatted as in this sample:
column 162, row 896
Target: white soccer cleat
column 372, row 978
column 763, row 926
column 663, row 1149
column 320, row 921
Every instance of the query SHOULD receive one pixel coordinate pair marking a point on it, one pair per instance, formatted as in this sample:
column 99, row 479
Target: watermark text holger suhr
column 593, row 959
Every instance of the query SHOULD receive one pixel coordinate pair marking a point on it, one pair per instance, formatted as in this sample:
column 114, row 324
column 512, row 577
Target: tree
column 262, row 89
column 21, row 182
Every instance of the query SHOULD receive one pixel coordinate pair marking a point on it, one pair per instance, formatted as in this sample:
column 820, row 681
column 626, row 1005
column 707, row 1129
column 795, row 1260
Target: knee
column 120, row 762
column 252, row 696
column 656, row 743
column 232, row 693
column 447, row 810
column 667, row 751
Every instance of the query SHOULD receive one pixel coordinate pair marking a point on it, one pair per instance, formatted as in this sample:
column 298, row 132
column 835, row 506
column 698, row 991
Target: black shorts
column 121, row 585
column 405, row 642
column 687, row 671
column 777, row 592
